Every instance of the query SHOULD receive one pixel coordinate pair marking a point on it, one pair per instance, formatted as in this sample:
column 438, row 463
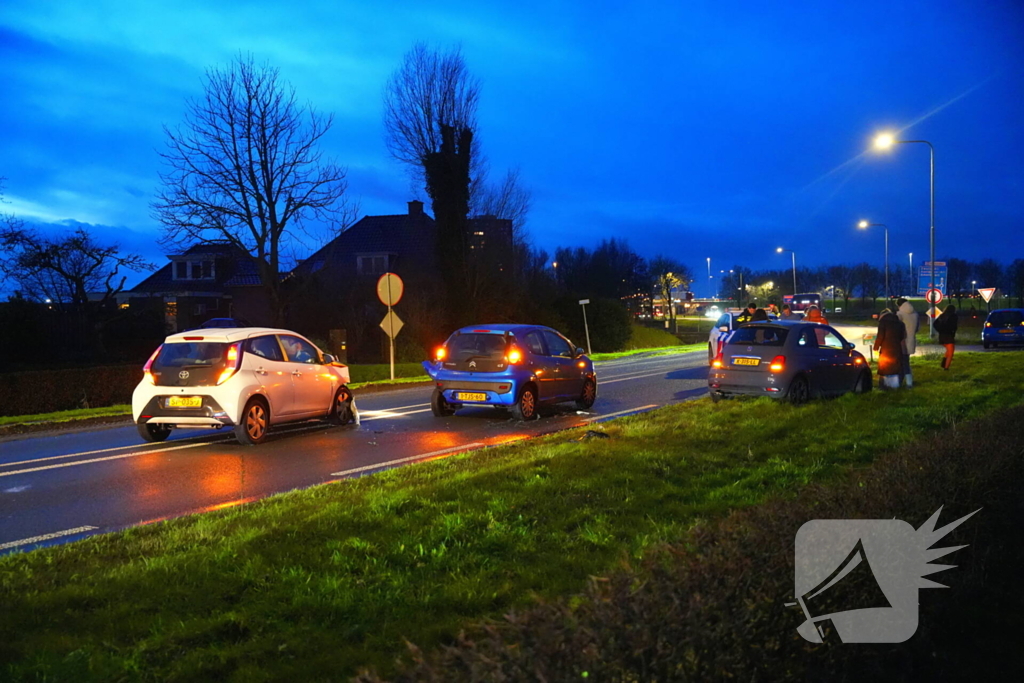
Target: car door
column 846, row 369
column 266, row 360
column 832, row 352
column 540, row 362
column 569, row 381
column 809, row 359
column 311, row 380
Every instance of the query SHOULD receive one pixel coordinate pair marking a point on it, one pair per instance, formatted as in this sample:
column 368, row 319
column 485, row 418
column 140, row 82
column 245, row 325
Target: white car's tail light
column 146, row 374
column 233, row 359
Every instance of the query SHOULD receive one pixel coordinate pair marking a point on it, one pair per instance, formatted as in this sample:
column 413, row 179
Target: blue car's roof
column 502, row 328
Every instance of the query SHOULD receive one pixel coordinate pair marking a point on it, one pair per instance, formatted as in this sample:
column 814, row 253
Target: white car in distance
column 246, row 378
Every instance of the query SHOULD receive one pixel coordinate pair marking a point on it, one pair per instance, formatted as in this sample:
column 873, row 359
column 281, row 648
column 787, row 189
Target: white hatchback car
column 247, row 378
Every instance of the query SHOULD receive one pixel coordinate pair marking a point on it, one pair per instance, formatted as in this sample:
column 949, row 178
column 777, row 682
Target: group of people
column 896, row 342
column 752, row 314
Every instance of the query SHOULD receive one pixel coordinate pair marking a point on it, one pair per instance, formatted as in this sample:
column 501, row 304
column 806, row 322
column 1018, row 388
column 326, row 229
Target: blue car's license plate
column 469, row 396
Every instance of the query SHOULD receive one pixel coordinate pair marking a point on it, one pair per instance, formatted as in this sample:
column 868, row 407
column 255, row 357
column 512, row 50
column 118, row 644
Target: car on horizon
column 248, row 379
column 1003, row 326
column 788, row 360
column 515, row 367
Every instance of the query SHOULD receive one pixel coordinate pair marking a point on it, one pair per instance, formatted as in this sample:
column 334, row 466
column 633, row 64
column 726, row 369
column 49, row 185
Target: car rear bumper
column 499, row 393
column 210, row 414
column 997, row 337
column 727, row 382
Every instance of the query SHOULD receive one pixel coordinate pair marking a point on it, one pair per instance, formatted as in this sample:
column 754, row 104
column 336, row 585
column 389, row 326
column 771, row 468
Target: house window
column 372, row 265
column 197, row 270
column 180, row 270
column 207, row 270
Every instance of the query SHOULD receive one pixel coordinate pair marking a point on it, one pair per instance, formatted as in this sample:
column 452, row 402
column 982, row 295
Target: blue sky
column 693, row 129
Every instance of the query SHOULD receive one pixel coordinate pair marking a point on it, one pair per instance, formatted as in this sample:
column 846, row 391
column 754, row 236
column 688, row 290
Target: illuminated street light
column 779, row 251
column 863, row 225
column 710, row 293
column 887, row 140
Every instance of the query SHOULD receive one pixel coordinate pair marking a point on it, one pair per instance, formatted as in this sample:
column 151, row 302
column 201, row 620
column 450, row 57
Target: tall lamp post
column 913, row 281
column 710, row 293
column 793, row 253
column 863, row 225
column 887, row 140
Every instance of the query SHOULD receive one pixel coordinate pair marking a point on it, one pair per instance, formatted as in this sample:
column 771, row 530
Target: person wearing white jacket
column 910, row 319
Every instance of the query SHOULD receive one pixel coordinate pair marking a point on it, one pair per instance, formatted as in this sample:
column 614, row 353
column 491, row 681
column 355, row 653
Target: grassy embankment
column 313, row 584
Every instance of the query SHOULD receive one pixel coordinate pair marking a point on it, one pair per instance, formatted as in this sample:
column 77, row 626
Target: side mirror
column 724, row 328
column 579, row 351
column 329, row 359
column 851, row 346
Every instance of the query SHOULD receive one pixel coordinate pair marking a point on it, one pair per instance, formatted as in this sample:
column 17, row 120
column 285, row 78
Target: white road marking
column 156, row 448
column 91, row 460
column 621, row 412
column 387, row 414
column 399, row 461
column 623, row 378
column 417, row 405
column 46, row 537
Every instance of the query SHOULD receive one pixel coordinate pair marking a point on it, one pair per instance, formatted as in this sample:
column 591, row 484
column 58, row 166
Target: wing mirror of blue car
column 579, row 351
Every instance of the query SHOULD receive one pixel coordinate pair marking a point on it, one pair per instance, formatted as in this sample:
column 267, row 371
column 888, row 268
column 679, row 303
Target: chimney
column 415, row 208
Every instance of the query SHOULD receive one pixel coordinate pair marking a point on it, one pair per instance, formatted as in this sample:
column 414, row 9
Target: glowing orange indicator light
column 441, row 353
column 514, row 356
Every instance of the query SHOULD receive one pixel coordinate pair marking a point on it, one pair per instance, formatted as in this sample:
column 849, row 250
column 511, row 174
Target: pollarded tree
column 430, row 105
column 246, row 167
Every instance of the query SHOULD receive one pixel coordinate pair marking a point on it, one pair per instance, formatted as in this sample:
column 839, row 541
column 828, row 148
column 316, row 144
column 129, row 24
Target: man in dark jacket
column 746, row 314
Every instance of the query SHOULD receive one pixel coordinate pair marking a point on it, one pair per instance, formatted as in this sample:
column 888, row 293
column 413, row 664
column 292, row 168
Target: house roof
column 235, row 268
column 404, row 234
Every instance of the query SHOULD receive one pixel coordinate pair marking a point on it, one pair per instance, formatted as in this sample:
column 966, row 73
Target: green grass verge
column 66, row 415
column 656, row 351
column 314, row 584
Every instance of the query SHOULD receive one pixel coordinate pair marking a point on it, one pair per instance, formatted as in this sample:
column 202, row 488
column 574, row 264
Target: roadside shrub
column 46, row 391
column 609, row 322
column 713, row 607
column 642, row 337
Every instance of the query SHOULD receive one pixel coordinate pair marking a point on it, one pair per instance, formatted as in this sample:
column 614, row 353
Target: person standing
column 946, row 325
column 746, row 314
column 813, row 315
column 787, row 313
column 890, row 344
column 910, row 319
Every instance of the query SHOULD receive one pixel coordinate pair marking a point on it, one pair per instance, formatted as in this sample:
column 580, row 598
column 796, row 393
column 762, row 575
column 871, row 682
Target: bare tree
column 64, row 269
column 508, row 200
column 668, row 275
column 245, row 166
column 430, row 120
column 430, row 91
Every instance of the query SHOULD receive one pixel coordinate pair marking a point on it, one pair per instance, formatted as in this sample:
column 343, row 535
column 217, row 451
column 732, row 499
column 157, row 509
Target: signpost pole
column 391, row 332
column 583, row 305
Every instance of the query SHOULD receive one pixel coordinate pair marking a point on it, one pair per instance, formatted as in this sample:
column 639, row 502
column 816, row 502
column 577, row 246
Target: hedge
column 714, row 607
column 47, row 391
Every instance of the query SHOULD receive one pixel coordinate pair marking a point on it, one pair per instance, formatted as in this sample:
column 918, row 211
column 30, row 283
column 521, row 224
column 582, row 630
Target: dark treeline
column 863, row 284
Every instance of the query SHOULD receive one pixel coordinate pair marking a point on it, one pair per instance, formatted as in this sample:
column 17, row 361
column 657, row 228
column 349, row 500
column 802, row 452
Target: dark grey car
column 787, row 360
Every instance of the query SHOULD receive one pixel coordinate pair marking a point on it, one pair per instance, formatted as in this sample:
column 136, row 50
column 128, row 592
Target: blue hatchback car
column 1003, row 326
column 517, row 367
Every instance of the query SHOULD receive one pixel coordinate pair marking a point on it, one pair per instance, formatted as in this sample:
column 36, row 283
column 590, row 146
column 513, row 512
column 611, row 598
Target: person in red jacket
column 813, row 315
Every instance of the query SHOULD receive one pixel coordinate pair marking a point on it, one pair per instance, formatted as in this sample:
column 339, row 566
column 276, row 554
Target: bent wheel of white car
column 255, row 422
column 341, row 411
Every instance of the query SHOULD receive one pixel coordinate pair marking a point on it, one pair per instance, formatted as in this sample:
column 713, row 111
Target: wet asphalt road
column 62, row 486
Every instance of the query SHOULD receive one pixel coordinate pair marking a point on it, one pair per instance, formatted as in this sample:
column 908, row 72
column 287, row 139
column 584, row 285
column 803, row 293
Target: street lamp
column 863, row 225
column 886, row 141
column 913, row 281
column 793, row 253
column 709, row 279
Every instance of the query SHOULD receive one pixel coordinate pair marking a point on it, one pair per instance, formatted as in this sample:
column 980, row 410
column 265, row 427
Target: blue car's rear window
column 1006, row 318
column 759, row 336
column 475, row 346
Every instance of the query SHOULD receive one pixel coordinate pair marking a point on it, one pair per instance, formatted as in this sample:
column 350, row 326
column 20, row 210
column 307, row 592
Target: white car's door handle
column 260, row 371
column 296, row 373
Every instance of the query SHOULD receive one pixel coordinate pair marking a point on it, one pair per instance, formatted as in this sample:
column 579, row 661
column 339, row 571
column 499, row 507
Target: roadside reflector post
column 586, row 328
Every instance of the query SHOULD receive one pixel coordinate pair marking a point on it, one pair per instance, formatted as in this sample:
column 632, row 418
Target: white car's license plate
column 746, row 361
column 185, row 402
